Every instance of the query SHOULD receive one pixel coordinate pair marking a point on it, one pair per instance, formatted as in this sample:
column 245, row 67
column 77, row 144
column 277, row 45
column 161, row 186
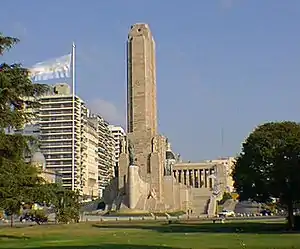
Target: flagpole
column 73, row 116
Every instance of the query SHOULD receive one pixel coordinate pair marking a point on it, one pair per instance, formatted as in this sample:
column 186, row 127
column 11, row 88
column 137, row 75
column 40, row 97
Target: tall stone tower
column 142, row 132
column 145, row 180
column 141, row 81
column 141, row 96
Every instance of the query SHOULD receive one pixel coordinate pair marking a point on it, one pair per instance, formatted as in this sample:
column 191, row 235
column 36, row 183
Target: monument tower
column 142, row 133
column 141, row 94
column 141, row 81
column 145, row 180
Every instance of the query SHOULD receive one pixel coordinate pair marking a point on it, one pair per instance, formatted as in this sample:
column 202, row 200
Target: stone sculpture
column 154, row 145
column 168, row 168
column 130, row 152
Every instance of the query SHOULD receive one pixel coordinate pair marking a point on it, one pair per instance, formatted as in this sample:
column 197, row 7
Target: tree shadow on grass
column 104, row 246
column 250, row 227
column 12, row 237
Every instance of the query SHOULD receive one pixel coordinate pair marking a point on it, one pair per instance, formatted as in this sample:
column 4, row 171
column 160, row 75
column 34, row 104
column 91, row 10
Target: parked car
column 226, row 213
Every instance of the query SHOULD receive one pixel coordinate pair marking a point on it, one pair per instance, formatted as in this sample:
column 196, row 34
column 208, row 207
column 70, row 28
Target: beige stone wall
column 138, row 189
column 123, row 173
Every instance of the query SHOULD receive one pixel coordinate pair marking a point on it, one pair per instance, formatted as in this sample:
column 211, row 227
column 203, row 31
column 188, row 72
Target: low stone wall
column 183, row 218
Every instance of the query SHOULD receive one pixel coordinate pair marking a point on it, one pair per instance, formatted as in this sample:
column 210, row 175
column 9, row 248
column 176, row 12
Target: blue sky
column 221, row 64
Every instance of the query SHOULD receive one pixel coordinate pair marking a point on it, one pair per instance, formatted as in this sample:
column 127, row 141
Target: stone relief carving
column 137, row 83
column 152, row 194
column 130, row 152
column 154, row 144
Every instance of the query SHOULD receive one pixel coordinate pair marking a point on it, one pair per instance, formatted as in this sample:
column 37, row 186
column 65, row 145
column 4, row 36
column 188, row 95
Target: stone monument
column 145, row 179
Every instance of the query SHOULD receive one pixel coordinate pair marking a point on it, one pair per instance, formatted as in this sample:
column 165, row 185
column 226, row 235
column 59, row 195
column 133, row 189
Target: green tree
column 269, row 165
column 16, row 90
column 66, row 203
column 19, row 180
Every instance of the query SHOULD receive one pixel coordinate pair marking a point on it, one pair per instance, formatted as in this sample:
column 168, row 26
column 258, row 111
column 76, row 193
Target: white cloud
column 107, row 110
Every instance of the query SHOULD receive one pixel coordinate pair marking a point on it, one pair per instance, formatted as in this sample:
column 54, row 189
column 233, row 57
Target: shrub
column 67, row 215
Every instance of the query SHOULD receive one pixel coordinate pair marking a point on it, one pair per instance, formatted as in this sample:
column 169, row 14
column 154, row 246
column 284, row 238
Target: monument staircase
column 201, row 199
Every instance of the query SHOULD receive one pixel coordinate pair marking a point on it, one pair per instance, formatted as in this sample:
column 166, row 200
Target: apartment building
column 91, row 174
column 118, row 134
column 62, row 144
column 106, row 152
column 85, row 158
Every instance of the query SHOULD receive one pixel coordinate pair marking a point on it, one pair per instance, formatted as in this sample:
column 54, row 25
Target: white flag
column 57, row 68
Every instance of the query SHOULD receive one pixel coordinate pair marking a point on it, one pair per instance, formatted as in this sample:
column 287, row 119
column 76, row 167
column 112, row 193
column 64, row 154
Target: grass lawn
column 151, row 235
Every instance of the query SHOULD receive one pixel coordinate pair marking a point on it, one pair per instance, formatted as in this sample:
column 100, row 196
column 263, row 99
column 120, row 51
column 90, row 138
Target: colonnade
column 197, row 178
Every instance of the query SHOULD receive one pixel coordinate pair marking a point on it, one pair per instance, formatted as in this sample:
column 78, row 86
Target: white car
column 227, row 213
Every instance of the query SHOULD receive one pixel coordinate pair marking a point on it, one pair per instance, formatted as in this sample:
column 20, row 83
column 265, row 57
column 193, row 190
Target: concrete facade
column 91, row 188
column 105, row 150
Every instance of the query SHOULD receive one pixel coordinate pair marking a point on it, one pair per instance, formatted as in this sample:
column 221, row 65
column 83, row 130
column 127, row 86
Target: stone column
column 200, row 178
column 192, row 177
column 205, row 178
column 196, row 178
column 133, row 186
column 211, row 180
column 180, row 176
column 187, row 177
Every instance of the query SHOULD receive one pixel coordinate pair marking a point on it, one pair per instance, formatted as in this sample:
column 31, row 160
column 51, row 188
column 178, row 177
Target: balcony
column 55, row 139
column 60, row 119
column 63, row 132
column 45, row 145
column 57, row 125
column 55, row 113
column 56, row 108
column 59, row 159
column 56, row 151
